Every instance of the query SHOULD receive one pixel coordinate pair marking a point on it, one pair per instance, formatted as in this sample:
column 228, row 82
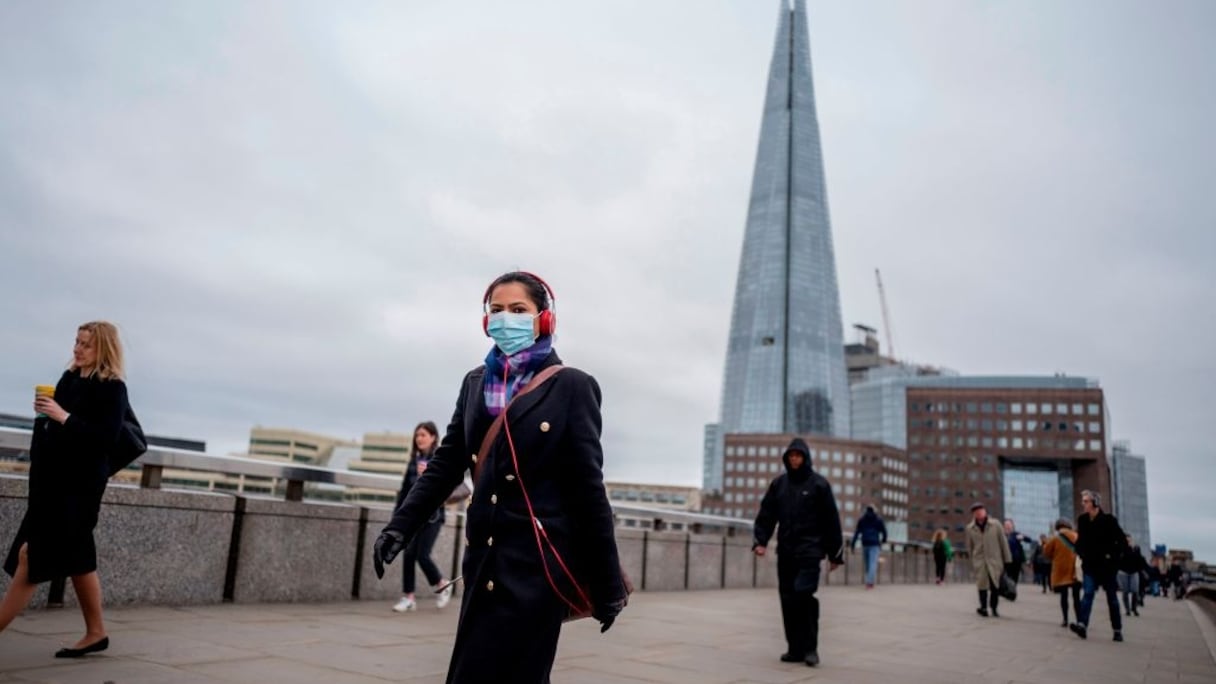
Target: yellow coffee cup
column 44, row 391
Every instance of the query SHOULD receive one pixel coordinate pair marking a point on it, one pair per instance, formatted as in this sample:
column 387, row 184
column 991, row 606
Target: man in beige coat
column 989, row 553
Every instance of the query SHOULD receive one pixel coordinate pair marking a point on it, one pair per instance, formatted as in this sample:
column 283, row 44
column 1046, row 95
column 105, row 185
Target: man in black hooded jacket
column 801, row 506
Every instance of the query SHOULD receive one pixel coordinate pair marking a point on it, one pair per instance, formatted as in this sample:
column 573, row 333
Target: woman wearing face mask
column 539, row 527
column 74, row 433
column 426, row 437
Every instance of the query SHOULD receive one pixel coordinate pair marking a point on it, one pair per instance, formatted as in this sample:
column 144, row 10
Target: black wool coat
column 511, row 617
column 69, row 467
column 1100, row 544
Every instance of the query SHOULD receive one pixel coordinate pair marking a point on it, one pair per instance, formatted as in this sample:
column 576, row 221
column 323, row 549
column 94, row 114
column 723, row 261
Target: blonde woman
column 73, row 435
column 943, row 553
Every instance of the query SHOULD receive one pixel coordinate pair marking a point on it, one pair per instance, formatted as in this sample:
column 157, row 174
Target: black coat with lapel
column 511, row 616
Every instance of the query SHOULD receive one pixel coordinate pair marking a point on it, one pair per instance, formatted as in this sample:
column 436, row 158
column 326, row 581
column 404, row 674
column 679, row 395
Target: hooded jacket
column 800, row 505
column 871, row 529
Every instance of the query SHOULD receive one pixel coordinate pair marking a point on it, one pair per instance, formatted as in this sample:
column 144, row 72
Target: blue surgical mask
column 512, row 332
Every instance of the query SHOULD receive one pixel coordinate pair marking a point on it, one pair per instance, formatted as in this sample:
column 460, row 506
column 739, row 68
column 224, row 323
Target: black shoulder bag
column 131, row 443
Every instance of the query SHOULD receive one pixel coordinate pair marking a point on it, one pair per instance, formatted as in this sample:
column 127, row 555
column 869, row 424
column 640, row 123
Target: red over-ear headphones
column 547, row 318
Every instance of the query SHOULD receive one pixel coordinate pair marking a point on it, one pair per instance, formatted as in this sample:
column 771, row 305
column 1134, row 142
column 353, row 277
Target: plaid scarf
column 522, row 367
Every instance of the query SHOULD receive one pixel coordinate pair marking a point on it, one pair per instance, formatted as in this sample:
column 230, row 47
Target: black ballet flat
column 94, row 647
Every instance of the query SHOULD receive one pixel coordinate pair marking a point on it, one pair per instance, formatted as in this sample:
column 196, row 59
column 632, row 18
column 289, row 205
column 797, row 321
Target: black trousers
column 797, row 582
column 939, row 566
column 1063, row 591
column 419, row 551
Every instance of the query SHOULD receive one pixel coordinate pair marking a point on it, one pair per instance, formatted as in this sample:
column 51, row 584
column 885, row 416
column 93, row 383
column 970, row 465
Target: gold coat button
column 490, row 585
column 474, row 457
column 493, row 498
column 490, row 541
column 510, row 478
column 544, row 426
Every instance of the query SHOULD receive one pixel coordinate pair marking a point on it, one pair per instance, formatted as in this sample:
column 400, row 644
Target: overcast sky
column 291, row 209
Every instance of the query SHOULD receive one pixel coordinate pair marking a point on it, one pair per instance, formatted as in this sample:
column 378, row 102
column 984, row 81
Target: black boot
column 791, row 615
column 811, row 604
column 983, row 609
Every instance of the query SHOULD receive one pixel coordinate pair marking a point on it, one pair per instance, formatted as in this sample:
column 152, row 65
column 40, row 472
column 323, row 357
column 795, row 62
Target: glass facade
column 1032, row 499
column 785, row 367
column 1130, row 485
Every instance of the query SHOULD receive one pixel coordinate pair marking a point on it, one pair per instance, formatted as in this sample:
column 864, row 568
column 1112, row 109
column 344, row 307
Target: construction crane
column 886, row 315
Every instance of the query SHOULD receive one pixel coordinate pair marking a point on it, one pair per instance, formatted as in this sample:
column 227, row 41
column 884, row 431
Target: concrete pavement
column 905, row 633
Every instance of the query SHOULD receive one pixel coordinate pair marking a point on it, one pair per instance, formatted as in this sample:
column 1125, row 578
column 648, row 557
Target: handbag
column 131, row 443
column 581, row 606
column 1008, row 589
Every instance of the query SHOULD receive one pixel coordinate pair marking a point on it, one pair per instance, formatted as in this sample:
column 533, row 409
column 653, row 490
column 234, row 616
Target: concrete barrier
column 186, row 547
column 295, row 551
column 705, row 562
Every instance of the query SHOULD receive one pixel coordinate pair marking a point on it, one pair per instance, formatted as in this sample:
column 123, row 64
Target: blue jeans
column 871, row 559
column 1089, row 588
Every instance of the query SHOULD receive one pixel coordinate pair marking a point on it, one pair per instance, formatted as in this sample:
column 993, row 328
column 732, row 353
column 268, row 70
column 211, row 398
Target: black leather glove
column 388, row 545
column 606, row 614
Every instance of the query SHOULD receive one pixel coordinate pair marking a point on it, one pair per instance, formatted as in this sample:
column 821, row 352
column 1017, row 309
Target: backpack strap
column 1070, row 545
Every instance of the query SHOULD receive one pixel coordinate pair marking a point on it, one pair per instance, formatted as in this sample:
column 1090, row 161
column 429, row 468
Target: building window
column 850, row 457
column 1017, row 442
column 1002, row 426
column 1062, row 409
column 986, row 424
column 1078, row 409
column 1015, row 409
column 971, row 407
column 986, row 442
column 1095, row 427
column 1095, row 410
column 1002, row 442
column 1017, row 426
column 1095, row 445
column 986, row 407
column 1032, row 408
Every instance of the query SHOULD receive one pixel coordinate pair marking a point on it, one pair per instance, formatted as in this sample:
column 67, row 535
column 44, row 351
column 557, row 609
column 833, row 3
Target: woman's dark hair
column 535, row 288
column 429, row 426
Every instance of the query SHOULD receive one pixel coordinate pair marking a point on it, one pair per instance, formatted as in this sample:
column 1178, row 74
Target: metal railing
column 154, row 462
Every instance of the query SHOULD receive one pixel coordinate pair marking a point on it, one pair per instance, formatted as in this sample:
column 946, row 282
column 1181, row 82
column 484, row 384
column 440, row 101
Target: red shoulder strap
column 492, row 432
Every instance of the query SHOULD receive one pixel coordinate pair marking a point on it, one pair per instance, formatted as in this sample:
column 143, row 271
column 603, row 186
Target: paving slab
column 905, row 633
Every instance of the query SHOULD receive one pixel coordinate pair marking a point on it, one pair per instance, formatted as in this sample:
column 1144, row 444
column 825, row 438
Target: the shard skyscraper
column 785, row 367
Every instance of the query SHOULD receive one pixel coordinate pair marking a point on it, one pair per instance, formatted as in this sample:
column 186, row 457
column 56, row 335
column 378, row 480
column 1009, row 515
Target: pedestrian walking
column 426, row 438
column 1101, row 544
column 989, row 551
column 873, row 534
column 1061, row 551
column 800, row 505
column 541, row 547
column 943, row 553
column 76, row 434
column 1130, row 566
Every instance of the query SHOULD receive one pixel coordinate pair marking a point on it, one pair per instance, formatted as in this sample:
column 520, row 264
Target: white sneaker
column 444, row 597
column 405, row 605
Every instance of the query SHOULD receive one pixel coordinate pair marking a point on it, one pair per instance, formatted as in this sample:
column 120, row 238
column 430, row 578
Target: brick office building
column 1026, row 447
column 860, row 473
